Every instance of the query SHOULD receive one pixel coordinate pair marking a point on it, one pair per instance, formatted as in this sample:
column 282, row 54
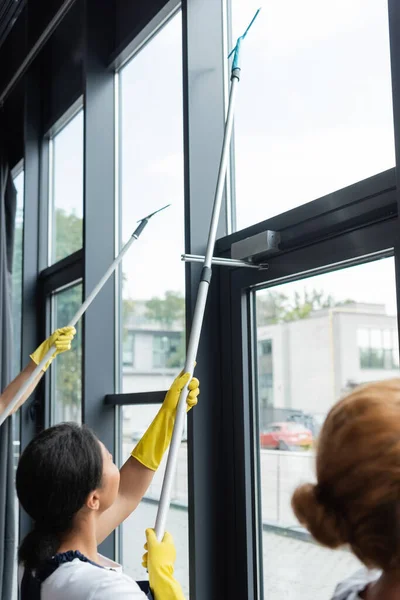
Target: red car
column 283, row 436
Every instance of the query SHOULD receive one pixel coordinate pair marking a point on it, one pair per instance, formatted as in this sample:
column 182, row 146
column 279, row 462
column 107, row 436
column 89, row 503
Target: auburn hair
column 356, row 500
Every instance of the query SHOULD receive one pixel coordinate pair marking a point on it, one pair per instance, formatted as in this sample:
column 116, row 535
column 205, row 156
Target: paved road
column 293, row 569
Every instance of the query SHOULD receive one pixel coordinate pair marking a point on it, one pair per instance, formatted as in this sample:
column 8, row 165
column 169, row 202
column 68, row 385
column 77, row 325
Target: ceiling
column 9, row 11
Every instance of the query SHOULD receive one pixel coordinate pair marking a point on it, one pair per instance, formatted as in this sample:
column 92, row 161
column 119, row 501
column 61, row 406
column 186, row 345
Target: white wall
column 314, row 359
column 310, row 354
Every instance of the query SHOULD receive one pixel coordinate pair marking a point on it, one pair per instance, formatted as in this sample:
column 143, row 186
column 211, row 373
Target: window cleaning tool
column 201, row 299
column 225, row 262
column 135, row 235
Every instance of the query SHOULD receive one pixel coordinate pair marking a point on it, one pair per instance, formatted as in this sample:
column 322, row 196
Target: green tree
column 68, row 367
column 68, row 233
column 271, row 307
column 168, row 310
column 276, row 307
column 176, row 359
column 67, row 371
column 128, row 309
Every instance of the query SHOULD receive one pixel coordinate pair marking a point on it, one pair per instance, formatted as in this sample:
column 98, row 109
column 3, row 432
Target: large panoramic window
column 314, row 108
column 16, row 298
column 152, row 282
column 317, row 339
column 17, row 273
column 66, row 371
column 66, row 189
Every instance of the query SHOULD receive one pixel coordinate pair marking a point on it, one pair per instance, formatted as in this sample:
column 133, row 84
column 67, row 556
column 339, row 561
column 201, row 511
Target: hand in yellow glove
column 61, row 339
column 159, row 560
column 150, row 449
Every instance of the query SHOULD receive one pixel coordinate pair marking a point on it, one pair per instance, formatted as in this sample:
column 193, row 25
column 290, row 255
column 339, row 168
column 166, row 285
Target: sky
column 314, row 109
column 313, row 115
column 372, row 282
column 68, row 166
column 19, row 187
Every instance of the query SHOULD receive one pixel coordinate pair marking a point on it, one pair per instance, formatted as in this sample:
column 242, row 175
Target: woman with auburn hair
column 356, row 500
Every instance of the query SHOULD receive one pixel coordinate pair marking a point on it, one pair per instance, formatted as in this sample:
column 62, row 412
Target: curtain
column 7, row 486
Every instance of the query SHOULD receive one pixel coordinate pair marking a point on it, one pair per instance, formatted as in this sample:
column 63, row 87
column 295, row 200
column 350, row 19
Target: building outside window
column 323, row 335
column 378, row 348
column 150, row 137
column 167, row 350
column 128, row 349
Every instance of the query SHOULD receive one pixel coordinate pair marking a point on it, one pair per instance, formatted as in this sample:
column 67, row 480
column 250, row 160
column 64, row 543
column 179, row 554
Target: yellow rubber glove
column 159, row 560
column 150, row 449
column 61, row 339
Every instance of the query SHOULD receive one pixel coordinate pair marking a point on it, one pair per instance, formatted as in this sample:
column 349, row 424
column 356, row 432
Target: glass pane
column 387, row 339
column 333, row 312
column 17, row 273
column 17, row 267
column 388, row 359
column 395, row 339
column 66, row 372
column 67, row 189
column 16, row 306
column 128, row 350
column 153, row 304
column 153, row 283
column 395, row 353
column 314, row 109
column 135, row 420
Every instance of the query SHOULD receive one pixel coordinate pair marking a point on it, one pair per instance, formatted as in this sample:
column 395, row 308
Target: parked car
column 286, row 436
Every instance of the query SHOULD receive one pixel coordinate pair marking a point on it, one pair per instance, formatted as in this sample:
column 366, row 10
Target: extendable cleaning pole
column 201, row 299
column 24, row 389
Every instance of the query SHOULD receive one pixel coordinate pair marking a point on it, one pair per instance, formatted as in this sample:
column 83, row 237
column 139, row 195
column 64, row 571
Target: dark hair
column 56, row 473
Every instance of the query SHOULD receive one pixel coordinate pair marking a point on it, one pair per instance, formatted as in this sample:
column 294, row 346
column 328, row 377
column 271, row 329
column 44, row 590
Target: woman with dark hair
column 68, row 484
column 356, row 500
column 61, row 339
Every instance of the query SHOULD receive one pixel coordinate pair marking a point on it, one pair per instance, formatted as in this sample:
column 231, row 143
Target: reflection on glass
column 152, row 294
column 17, row 273
column 16, row 307
column 16, row 304
column 67, row 189
column 66, row 372
column 317, row 339
column 314, row 113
